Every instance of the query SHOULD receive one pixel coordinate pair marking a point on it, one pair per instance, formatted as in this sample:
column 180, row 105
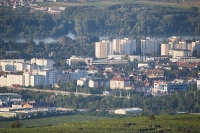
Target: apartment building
column 75, row 59
column 98, row 83
column 179, row 53
column 172, row 86
column 149, row 46
column 124, row 46
column 198, row 84
column 11, row 79
column 14, row 65
column 164, row 49
column 103, row 49
column 194, row 46
column 117, row 46
column 43, row 63
column 180, row 45
column 119, row 83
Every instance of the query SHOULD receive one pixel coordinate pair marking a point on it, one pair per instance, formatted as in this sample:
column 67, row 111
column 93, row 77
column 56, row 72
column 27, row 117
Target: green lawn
column 53, row 120
column 105, row 3
column 167, row 124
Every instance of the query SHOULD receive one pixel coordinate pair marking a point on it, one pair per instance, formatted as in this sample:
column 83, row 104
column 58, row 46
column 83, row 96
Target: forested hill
column 22, row 22
column 129, row 19
column 122, row 19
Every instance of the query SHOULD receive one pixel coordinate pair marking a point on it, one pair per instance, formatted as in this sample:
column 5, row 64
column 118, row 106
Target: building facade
column 164, row 49
column 102, row 49
column 119, row 83
column 179, row 53
column 149, row 46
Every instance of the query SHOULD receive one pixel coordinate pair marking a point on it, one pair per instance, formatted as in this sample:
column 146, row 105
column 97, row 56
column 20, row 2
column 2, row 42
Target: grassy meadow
column 52, row 120
column 104, row 3
column 140, row 124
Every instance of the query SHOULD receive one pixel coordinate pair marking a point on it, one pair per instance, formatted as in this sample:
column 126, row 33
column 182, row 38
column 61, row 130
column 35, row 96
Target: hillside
column 176, row 124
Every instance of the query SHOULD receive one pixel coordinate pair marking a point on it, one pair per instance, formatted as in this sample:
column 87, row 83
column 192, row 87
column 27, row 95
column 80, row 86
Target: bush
column 151, row 117
column 16, row 124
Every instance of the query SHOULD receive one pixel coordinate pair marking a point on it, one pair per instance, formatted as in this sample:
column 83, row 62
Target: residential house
column 119, row 83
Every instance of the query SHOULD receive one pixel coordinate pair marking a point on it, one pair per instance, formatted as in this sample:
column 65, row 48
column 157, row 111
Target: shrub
column 16, row 124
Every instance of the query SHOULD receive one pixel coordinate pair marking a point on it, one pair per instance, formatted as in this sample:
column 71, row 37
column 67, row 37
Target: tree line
column 119, row 19
column 179, row 101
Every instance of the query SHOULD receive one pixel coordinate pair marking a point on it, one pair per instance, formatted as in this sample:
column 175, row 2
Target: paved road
column 51, row 91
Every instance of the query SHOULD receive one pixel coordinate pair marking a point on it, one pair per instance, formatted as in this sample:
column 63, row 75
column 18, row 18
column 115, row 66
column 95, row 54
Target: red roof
column 119, row 79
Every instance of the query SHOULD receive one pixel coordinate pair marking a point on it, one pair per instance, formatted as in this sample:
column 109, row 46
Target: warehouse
column 128, row 110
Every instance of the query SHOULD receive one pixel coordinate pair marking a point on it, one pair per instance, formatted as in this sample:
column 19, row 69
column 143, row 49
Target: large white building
column 164, row 49
column 14, row 65
column 103, row 49
column 11, row 79
column 128, row 110
column 43, row 63
column 180, row 45
column 124, row 46
column 74, row 59
column 149, row 46
column 117, row 46
column 179, row 53
column 198, row 84
column 194, row 46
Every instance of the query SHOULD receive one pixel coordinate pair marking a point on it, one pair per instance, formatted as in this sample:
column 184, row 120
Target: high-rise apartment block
column 149, row 46
column 117, row 46
column 194, row 46
column 102, row 49
column 164, row 49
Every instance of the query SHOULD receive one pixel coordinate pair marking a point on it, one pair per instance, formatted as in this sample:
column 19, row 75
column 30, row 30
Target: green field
column 169, row 124
column 104, row 3
column 53, row 120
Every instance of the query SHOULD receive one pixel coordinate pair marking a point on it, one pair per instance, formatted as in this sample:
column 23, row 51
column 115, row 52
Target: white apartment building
column 77, row 74
column 11, row 79
column 9, row 65
column 43, row 63
column 164, row 49
column 37, row 80
column 160, row 86
column 83, row 81
column 124, row 46
column 50, row 76
column 179, row 53
column 185, row 59
column 103, row 49
column 181, row 45
column 198, row 84
column 75, row 59
column 149, row 46
column 117, row 46
column 194, row 46
column 41, row 77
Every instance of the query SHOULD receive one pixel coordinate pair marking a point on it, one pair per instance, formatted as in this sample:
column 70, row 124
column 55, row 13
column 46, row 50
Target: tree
column 151, row 117
column 16, row 124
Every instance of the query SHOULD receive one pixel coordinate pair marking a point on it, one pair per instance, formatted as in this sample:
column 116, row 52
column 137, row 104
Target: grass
column 170, row 124
column 52, row 120
column 104, row 3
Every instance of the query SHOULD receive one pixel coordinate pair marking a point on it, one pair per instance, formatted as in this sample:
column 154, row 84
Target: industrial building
column 128, row 110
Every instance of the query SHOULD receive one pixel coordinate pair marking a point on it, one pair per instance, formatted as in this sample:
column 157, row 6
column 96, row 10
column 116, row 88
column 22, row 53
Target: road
column 51, row 91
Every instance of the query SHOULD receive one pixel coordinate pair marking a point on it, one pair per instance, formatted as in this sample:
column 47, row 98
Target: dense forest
column 122, row 19
column 22, row 22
